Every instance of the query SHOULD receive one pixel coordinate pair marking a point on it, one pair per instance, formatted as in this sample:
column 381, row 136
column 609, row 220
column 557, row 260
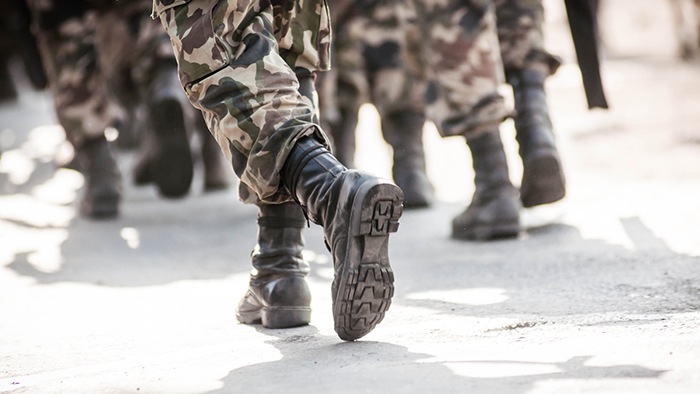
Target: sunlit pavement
column 600, row 294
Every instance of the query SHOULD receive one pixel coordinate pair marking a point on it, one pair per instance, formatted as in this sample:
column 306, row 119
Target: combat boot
column 543, row 177
column 102, row 179
column 494, row 209
column 404, row 132
column 357, row 211
column 8, row 92
column 278, row 295
column 171, row 165
column 217, row 173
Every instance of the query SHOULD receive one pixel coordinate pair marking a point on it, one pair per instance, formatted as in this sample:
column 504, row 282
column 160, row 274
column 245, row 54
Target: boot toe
column 278, row 303
column 496, row 218
column 543, row 181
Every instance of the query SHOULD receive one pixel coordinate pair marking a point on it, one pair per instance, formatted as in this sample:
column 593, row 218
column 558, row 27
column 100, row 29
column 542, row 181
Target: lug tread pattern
column 384, row 219
column 366, row 292
column 365, row 303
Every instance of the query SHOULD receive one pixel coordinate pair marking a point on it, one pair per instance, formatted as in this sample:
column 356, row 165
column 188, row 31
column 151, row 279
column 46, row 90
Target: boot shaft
column 97, row 163
column 532, row 122
column 489, row 162
column 309, row 174
column 280, row 241
column 404, row 132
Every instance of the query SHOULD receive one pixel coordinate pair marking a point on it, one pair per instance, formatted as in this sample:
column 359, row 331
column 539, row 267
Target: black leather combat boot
column 494, row 210
column 278, row 295
column 170, row 166
column 543, row 178
column 357, row 211
column 102, row 179
column 404, row 132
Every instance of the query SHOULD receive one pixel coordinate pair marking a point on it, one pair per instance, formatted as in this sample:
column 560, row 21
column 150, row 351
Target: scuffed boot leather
column 494, row 210
column 357, row 211
column 543, row 178
column 404, row 132
column 278, row 295
column 102, row 180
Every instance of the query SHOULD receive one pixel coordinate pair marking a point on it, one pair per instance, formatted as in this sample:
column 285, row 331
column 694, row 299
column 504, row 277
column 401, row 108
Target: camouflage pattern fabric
column 88, row 46
column 463, row 64
column 131, row 46
column 520, row 36
column 241, row 64
column 68, row 46
column 380, row 56
column 371, row 41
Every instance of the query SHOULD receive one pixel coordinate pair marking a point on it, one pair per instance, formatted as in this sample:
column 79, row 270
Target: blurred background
column 640, row 156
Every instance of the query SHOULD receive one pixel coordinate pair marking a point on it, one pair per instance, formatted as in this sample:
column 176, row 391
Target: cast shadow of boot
column 311, row 362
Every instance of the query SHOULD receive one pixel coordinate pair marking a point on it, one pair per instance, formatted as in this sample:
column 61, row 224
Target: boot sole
column 487, row 232
column 172, row 168
column 277, row 317
column 105, row 207
column 366, row 283
column 543, row 182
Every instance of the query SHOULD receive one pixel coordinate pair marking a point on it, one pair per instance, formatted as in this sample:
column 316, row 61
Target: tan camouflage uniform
column 460, row 53
column 241, row 64
column 463, row 64
column 521, row 37
column 371, row 40
column 87, row 46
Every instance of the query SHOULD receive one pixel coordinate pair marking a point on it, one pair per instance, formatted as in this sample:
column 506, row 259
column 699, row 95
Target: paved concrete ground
column 601, row 294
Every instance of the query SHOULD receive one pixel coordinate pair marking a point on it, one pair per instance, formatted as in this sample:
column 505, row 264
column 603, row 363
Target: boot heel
column 366, row 289
column 543, row 182
column 284, row 317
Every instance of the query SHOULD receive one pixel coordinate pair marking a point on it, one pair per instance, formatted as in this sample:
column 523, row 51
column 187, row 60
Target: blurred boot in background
column 217, row 172
column 403, row 130
column 102, row 190
column 171, row 166
column 543, row 176
column 494, row 211
column 527, row 64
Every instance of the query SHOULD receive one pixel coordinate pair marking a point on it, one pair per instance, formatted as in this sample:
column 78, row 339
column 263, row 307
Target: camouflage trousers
column 89, row 48
column 463, row 64
column 520, row 36
column 469, row 46
column 247, row 65
column 371, row 42
column 380, row 56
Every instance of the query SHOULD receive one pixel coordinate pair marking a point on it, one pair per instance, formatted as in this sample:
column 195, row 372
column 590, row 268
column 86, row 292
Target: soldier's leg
column 138, row 59
column 398, row 91
column 345, row 88
column 463, row 100
column 527, row 65
column 241, row 74
column 278, row 295
column 67, row 43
